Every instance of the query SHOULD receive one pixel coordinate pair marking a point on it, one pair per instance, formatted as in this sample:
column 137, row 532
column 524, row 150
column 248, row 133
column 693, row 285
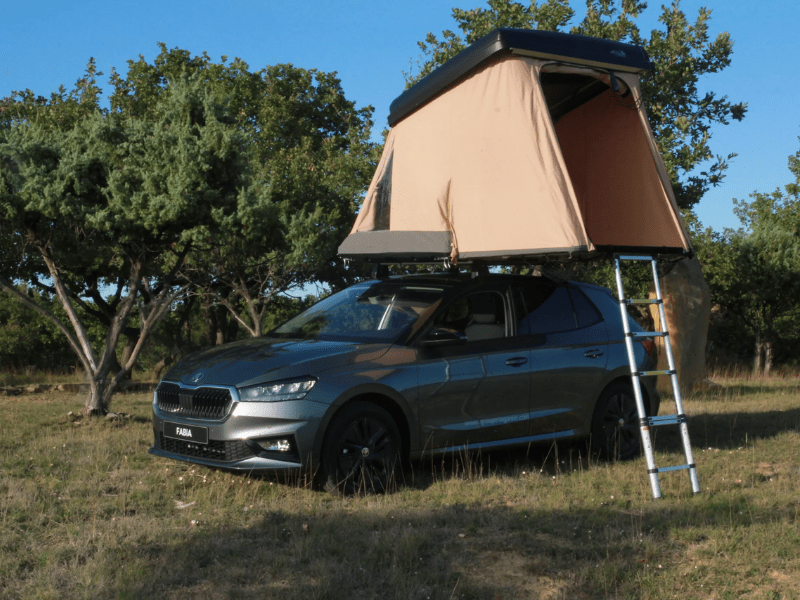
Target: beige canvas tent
column 528, row 146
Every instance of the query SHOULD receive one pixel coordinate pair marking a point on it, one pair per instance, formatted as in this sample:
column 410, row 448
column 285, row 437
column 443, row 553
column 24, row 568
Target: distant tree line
column 193, row 204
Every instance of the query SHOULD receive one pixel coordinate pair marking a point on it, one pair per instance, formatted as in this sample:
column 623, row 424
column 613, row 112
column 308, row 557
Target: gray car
column 405, row 367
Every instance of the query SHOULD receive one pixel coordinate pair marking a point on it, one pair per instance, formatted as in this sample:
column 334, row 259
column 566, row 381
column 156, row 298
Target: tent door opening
column 607, row 156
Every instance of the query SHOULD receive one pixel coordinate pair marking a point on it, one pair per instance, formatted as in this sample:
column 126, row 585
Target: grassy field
column 85, row 512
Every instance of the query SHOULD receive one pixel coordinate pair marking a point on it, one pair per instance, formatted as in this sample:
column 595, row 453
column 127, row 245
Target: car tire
column 361, row 451
column 615, row 424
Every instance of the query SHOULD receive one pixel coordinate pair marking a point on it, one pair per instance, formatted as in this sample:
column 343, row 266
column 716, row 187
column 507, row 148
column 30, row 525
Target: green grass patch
column 85, row 512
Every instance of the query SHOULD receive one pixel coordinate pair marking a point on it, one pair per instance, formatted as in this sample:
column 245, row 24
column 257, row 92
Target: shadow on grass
column 728, row 430
column 724, row 431
column 456, row 551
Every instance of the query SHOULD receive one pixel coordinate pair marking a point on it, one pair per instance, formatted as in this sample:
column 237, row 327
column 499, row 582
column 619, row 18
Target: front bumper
column 251, row 464
column 241, row 440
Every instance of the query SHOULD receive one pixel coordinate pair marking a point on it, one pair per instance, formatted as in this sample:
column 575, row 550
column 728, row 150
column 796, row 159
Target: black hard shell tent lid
column 526, row 146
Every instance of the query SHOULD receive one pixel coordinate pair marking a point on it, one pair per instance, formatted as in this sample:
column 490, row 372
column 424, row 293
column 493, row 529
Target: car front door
column 475, row 387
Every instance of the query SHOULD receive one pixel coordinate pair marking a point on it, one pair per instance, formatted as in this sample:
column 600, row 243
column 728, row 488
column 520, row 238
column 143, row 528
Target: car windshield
column 371, row 312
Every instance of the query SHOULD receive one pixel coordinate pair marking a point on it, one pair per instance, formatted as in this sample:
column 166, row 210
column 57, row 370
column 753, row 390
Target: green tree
column 93, row 197
column 308, row 148
column 200, row 177
column 683, row 53
column 754, row 273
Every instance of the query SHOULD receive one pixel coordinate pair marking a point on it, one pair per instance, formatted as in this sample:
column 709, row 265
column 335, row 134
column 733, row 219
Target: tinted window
column 586, row 312
column 547, row 308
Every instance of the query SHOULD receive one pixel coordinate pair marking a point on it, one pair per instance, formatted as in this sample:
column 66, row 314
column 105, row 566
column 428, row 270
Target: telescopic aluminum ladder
column 646, row 422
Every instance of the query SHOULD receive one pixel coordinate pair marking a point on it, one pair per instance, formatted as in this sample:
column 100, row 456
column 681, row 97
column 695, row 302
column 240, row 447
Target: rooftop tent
column 528, row 145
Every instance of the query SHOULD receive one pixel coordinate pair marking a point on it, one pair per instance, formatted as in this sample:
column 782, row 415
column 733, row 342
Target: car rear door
column 569, row 354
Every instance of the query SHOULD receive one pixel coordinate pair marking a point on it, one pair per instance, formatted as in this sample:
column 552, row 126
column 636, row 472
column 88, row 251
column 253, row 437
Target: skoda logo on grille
column 196, row 378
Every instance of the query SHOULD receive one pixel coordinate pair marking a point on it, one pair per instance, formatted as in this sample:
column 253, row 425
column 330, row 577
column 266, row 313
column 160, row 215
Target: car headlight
column 277, row 392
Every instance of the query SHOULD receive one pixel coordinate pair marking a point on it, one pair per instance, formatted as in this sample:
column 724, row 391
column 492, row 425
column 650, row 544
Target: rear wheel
column 361, row 450
column 615, row 424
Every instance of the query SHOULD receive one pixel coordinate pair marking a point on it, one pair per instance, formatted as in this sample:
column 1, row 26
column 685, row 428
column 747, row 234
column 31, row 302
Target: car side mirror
column 441, row 337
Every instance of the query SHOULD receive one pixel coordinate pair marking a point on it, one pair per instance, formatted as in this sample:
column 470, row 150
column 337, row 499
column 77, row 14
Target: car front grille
column 198, row 403
column 214, row 450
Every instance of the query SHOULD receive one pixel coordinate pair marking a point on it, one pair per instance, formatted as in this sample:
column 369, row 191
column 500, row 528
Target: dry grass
column 31, row 375
column 86, row 513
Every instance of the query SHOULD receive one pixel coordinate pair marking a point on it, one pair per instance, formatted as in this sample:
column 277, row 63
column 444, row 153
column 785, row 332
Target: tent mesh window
column 565, row 92
column 383, row 200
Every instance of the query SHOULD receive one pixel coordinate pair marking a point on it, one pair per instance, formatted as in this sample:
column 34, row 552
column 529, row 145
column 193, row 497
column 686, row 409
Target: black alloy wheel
column 361, row 451
column 615, row 424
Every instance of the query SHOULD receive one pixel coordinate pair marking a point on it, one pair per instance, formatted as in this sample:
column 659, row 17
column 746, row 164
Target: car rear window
column 551, row 308
column 586, row 312
column 547, row 308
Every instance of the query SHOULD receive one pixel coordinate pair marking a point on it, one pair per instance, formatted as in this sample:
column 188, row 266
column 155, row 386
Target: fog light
column 277, row 445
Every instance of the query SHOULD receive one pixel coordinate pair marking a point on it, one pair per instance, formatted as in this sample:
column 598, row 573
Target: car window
column 546, row 308
column 586, row 312
column 371, row 311
column 478, row 316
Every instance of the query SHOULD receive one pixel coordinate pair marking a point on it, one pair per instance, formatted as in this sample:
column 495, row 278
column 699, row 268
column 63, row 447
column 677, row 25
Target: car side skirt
column 521, row 441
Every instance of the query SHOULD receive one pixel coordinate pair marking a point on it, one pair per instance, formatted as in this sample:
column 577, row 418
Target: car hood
column 259, row 360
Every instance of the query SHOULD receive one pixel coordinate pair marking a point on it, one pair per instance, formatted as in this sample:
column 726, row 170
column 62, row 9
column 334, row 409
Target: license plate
column 188, row 433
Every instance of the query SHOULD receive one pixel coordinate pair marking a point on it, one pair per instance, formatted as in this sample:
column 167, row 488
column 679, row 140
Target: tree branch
column 9, row 287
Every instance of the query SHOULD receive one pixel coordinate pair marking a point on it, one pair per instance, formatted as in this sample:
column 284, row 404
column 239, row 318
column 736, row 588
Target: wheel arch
column 626, row 380
column 380, row 398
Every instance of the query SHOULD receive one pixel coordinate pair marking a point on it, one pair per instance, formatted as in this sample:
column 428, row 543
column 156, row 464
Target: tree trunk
column 759, row 348
column 166, row 361
column 767, row 357
column 687, row 308
column 95, row 404
column 130, row 344
column 211, row 323
column 232, row 331
column 221, row 320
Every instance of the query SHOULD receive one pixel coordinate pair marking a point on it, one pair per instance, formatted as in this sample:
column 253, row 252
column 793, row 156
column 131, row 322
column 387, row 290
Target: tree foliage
column 308, row 152
column 682, row 50
column 195, row 174
column 754, row 272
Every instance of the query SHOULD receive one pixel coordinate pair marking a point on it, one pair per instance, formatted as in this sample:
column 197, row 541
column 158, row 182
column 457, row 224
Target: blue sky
column 370, row 44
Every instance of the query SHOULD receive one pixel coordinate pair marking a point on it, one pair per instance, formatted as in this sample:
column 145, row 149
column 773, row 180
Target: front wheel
column 615, row 424
column 361, row 450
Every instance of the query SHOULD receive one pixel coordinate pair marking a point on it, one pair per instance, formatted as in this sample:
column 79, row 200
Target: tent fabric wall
column 633, row 82
column 483, row 161
column 486, row 169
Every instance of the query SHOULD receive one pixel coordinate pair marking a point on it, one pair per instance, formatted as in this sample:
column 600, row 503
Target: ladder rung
column 634, row 257
column 673, row 468
column 662, row 420
column 645, row 334
column 651, row 373
column 642, row 301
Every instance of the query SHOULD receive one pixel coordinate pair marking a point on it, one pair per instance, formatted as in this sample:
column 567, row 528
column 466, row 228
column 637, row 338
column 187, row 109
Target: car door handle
column 593, row 353
column 517, row 361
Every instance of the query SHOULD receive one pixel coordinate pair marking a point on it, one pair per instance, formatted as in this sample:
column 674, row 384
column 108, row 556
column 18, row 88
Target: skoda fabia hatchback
column 409, row 366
